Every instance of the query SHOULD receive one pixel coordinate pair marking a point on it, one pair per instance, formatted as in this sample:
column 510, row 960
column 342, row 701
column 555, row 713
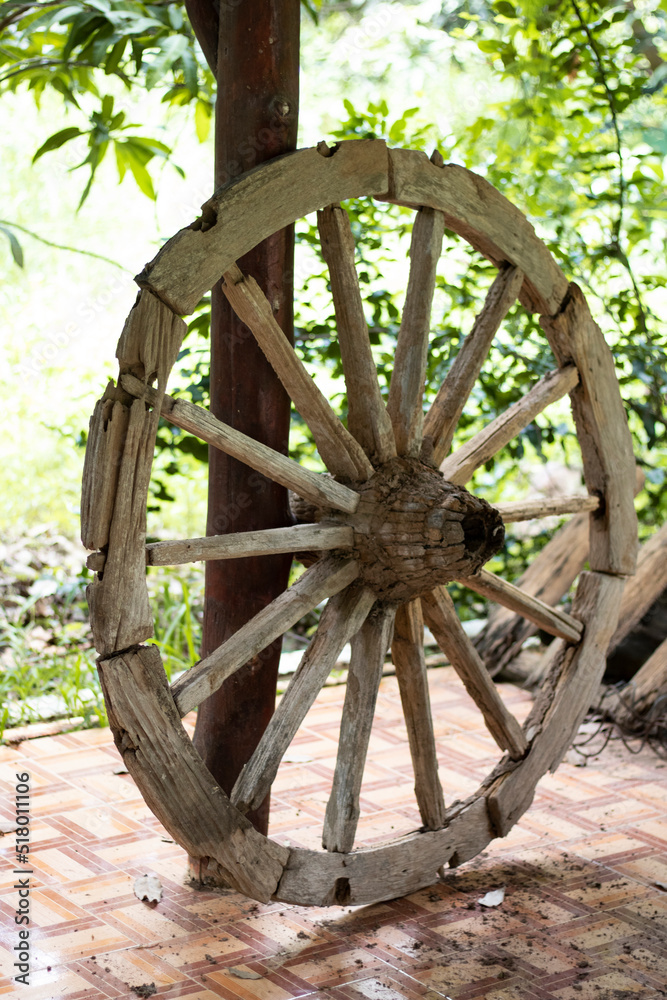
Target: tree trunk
column 256, row 119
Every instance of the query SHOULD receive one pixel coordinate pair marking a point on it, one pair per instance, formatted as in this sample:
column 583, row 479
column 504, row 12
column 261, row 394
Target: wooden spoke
column 369, row 646
column 196, row 420
column 326, row 578
column 269, row 541
column 551, row 620
column 367, row 420
column 460, row 466
column 525, row 510
column 407, row 382
column 342, row 617
column 447, row 406
column 441, row 617
column 340, row 452
column 407, row 652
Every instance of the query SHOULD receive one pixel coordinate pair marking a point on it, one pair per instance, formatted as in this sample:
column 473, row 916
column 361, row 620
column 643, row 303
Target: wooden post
column 257, row 71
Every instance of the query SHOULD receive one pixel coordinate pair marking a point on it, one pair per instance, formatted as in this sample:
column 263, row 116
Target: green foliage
column 579, row 145
column 89, row 53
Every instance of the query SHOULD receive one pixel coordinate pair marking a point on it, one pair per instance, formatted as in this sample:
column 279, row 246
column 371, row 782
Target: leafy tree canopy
column 572, row 129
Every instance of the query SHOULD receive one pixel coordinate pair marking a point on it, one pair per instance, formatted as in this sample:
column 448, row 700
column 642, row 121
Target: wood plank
column 551, row 620
column 367, row 418
column 372, row 874
column 645, row 587
column 120, row 614
column 526, row 510
column 327, row 577
column 447, row 407
column 563, row 700
column 313, row 486
column 268, row 541
column 602, row 431
column 260, row 202
column 174, row 781
column 549, row 577
column 443, row 621
column 407, row 653
column 341, row 619
column 150, row 341
column 407, row 381
column 369, row 646
column 483, row 217
column 650, row 681
column 340, row 452
column 460, row 466
column 107, row 430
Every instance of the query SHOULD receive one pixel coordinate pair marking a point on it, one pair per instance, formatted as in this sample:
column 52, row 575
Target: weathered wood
column 150, row 341
column 551, row 620
column 369, row 646
column 370, row 875
column 174, row 781
column 602, row 431
column 299, row 538
column 443, row 621
column 407, row 653
column 104, row 449
column 564, row 699
column 414, row 530
column 526, row 510
column 257, row 71
column 326, row 578
column 246, row 210
column 460, row 466
column 120, row 614
column 340, row 452
column 341, row 619
column 311, row 485
column 447, row 407
column 407, row 381
column 367, row 417
column 645, row 587
column 651, row 679
column 483, row 217
column 549, row 577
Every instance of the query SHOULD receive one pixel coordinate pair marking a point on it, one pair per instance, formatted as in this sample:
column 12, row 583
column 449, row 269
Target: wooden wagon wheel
column 390, row 530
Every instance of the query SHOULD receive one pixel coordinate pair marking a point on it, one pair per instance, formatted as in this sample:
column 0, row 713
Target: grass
column 47, row 661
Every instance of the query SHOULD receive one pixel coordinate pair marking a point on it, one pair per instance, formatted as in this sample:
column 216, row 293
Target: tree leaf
column 57, row 140
column 14, row 246
column 148, row 887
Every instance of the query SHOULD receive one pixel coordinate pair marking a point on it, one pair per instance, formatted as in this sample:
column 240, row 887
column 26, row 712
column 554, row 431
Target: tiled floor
column 585, row 873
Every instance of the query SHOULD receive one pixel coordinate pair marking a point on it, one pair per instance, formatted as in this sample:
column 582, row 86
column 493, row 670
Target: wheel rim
column 378, row 579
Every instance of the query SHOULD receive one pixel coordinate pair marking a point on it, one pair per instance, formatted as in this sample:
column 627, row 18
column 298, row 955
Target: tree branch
column 618, row 226
column 204, row 16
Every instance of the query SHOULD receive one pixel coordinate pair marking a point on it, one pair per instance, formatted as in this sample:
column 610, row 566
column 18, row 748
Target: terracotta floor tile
column 64, row 945
column 598, row 934
column 327, row 969
column 652, row 829
column 102, row 822
column 61, row 865
column 57, row 983
column 612, row 986
column 575, row 893
column 607, row 846
column 144, row 923
column 462, row 971
column 107, row 887
column 254, row 989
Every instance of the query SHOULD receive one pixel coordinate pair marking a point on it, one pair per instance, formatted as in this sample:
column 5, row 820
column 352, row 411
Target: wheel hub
column 414, row 530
